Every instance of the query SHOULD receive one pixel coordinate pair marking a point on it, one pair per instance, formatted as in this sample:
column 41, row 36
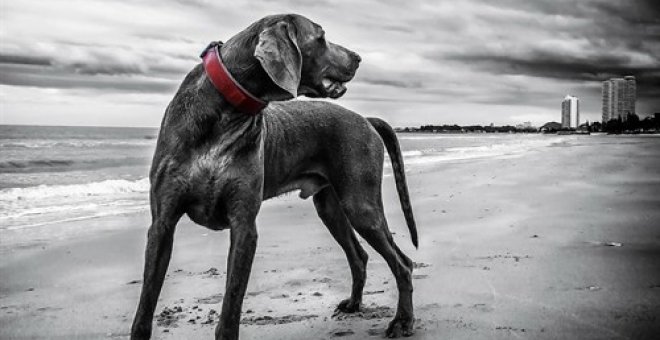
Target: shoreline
column 560, row 243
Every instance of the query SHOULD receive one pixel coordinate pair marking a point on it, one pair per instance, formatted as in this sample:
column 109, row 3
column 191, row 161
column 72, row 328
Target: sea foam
column 107, row 187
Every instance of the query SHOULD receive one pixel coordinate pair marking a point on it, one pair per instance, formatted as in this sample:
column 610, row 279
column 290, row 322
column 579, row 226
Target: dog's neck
column 238, row 57
column 220, row 117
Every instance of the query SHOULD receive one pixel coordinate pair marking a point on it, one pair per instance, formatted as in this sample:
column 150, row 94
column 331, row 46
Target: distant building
column 550, row 127
column 619, row 97
column 570, row 112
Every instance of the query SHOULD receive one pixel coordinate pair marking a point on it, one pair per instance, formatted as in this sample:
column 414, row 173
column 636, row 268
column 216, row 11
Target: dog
column 222, row 150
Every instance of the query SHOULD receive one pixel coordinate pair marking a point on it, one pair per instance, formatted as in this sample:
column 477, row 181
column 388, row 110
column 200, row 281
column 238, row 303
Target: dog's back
column 323, row 142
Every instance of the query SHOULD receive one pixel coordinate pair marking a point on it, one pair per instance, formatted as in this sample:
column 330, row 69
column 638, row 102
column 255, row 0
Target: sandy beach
column 562, row 242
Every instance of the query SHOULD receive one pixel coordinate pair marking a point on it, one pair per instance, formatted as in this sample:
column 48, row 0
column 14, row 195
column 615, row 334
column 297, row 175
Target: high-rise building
column 619, row 97
column 570, row 112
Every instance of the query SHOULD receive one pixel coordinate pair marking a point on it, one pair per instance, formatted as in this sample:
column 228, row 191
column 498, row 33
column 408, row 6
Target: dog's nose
column 357, row 57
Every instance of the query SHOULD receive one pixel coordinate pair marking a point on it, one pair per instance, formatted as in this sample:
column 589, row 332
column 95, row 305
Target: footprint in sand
column 276, row 320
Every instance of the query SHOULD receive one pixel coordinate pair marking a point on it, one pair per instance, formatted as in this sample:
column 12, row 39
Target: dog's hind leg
column 367, row 217
column 332, row 215
column 157, row 257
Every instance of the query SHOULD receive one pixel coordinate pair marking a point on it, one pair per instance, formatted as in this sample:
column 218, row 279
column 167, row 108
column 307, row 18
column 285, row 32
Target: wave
column 78, row 143
column 127, row 209
column 50, row 204
column 107, row 187
column 447, row 136
column 514, row 148
column 35, row 163
column 51, row 165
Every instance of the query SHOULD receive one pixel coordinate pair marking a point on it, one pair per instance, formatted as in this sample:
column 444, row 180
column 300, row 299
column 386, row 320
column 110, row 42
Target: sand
column 561, row 243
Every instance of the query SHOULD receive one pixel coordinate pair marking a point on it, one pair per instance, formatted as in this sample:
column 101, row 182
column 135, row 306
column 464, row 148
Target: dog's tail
column 392, row 144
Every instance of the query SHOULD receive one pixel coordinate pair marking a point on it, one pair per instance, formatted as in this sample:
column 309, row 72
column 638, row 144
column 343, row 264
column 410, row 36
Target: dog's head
column 297, row 58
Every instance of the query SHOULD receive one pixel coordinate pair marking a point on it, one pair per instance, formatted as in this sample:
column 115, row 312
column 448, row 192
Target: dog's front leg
column 157, row 257
column 239, row 263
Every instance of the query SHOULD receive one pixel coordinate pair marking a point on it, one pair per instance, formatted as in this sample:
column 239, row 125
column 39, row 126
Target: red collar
column 233, row 92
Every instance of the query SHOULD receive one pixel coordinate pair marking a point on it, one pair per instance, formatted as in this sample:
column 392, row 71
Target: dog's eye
column 321, row 37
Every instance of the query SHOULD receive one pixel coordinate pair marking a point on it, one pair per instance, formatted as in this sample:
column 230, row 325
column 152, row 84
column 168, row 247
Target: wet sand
column 561, row 243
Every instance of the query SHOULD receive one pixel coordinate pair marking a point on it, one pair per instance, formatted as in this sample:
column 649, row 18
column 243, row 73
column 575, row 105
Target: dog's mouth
column 330, row 85
column 333, row 88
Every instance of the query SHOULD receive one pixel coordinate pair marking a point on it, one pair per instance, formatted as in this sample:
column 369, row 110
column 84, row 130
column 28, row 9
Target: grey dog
column 217, row 164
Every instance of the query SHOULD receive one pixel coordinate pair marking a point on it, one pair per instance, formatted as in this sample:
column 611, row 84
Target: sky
column 118, row 63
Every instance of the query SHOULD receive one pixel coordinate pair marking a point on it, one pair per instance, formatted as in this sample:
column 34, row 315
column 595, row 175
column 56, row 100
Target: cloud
column 421, row 59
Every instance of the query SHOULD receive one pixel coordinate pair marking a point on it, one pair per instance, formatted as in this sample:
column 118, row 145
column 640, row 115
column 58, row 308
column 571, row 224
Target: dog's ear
column 279, row 55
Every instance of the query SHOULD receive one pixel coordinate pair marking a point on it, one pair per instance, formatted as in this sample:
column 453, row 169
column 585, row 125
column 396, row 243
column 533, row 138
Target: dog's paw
column 348, row 306
column 400, row 327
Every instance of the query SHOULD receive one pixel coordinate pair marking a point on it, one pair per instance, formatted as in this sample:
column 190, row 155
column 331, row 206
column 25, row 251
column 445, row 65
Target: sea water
column 51, row 175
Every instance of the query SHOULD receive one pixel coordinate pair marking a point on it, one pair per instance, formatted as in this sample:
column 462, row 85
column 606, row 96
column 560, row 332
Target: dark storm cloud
column 400, row 82
column 24, row 60
column 420, row 57
column 91, row 71
column 551, row 65
column 633, row 12
column 51, row 77
column 619, row 38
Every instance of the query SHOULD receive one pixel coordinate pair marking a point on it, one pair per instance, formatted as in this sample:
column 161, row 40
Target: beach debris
column 276, row 320
column 342, row 332
column 168, row 317
column 516, row 258
column 376, row 331
column 606, row 244
column 210, row 300
column 132, row 282
column 482, row 307
column 371, row 312
column 460, row 323
column 509, row 328
column 592, row 288
column 420, row 265
column 213, row 271
column 373, row 292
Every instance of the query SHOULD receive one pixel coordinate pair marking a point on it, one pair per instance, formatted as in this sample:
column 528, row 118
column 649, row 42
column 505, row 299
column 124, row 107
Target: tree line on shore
column 631, row 124
column 468, row 128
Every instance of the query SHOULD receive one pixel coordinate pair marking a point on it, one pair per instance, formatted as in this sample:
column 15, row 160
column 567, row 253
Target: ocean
column 51, row 175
